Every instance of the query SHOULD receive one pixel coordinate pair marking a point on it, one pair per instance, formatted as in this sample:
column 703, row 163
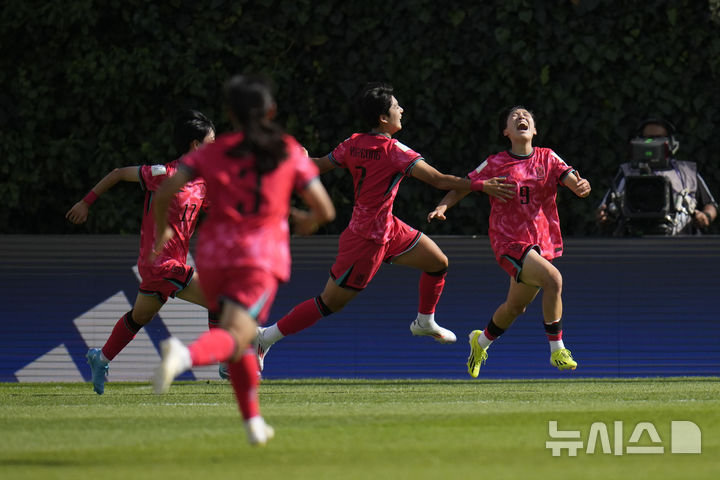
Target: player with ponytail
column 243, row 249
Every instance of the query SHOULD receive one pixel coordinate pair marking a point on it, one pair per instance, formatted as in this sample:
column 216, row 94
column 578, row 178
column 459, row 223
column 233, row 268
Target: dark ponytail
column 249, row 100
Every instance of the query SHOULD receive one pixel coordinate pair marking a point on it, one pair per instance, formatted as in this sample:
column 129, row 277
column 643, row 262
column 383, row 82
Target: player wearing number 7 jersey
column 166, row 273
column 524, row 233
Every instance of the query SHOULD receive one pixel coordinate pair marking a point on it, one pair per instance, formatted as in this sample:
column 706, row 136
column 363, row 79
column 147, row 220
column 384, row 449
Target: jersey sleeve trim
column 565, row 173
column 409, row 168
column 334, row 161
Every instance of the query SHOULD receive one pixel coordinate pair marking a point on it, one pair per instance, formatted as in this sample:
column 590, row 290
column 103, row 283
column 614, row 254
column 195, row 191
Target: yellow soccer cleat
column 478, row 355
column 563, row 360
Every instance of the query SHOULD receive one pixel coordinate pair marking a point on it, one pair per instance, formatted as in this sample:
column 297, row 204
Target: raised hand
column 582, row 188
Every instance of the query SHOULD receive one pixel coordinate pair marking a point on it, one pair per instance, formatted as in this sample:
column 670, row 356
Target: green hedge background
column 88, row 86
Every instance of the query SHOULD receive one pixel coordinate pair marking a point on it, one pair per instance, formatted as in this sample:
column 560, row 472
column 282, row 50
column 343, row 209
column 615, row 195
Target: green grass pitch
column 355, row 429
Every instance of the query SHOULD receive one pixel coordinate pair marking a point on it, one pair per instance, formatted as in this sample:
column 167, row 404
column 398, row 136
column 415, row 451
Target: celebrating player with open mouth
column 524, row 233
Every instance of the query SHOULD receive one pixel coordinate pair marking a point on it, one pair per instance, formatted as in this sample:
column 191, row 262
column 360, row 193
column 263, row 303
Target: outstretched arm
column 79, row 212
column 448, row 201
column 495, row 187
column 323, row 163
column 579, row 185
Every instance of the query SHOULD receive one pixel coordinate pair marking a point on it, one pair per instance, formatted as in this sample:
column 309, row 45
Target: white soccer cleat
column 442, row 335
column 175, row 360
column 258, row 432
column 261, row 348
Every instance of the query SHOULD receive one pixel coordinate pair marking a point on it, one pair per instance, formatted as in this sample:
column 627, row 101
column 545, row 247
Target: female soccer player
column 378, row 163
column 167, row 274
column 243, row 251
column 524, row 233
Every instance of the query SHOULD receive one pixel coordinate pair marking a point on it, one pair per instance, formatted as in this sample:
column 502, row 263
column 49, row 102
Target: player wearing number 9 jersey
column 243, row 249
column 166, row 273
column 531, row 219
column 524, row 233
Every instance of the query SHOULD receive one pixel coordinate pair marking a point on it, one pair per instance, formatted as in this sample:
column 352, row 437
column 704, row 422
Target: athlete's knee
column 331, row 304
column 323, row 307
column 442, row 262
column 553, row 282
column 438, row 273
column 131, row 324
column 140, row 318
column 244, row 333
column 435, row 262
column 240, row 324
column 335, row 299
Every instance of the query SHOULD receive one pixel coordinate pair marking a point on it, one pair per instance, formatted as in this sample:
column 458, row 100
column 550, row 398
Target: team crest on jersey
column 539, row 172
column 156, row 170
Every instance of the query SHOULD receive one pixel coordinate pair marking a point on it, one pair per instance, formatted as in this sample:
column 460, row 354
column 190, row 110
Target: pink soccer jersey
column 248, row 223
column 531, row 216
column 377, row 164
column 182, row 214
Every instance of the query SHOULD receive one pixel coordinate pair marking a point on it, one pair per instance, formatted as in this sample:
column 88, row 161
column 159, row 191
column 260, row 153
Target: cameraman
column 689, row 206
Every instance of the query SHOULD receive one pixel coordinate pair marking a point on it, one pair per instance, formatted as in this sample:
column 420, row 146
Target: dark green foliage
column 88, row 86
